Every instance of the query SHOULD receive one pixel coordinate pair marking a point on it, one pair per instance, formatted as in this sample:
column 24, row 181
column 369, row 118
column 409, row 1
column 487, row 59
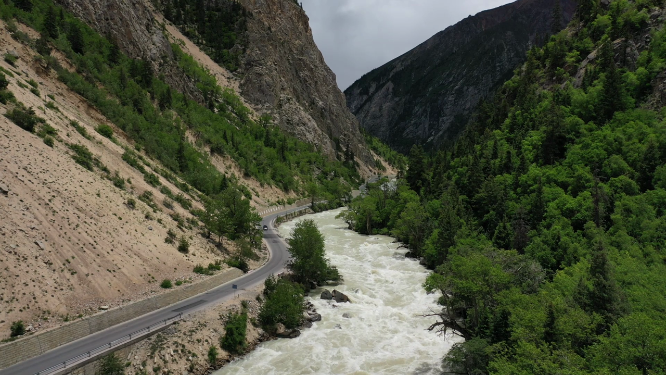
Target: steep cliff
column 284, row 74
column 427, row 95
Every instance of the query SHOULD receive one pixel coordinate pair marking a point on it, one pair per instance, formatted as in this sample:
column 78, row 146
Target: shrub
column 166, row 284
column 201, row 270
column 48, row 140
column 6, row 96
column 17, row 328
column 235, row 330
column 167, row 203
column 82, row 156
column 215, row 266
column 11, row 59
column 47, row 129
column 238, row 262
column 80, row 129
column 179, row 282
column 118, row 181
column 183, row 245
column 131, row 203
column 184, row 202
column 111, row 365
column 152, row 179
column 212, row 355
column 3, row 81
column 105, row 131
column 24, row 118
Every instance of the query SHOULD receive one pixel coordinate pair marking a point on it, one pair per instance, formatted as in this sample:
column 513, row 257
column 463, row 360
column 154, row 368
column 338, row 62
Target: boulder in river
column 315, row 317
column 326, row 294
column 340, row 297
column 285, row 333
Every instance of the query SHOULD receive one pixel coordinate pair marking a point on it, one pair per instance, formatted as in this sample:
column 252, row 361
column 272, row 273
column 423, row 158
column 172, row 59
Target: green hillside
column 546, row 222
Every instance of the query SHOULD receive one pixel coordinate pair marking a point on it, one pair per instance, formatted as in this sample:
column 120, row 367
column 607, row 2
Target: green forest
column 545, row 222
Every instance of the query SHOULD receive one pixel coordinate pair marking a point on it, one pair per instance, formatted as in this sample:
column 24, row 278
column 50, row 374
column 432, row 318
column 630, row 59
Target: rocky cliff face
column 284, row 74
column 427, row 95
column 133, row 26
column 282, row 71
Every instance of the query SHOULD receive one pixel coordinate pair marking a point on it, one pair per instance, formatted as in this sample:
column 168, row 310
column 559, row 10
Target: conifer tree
column 50, row 25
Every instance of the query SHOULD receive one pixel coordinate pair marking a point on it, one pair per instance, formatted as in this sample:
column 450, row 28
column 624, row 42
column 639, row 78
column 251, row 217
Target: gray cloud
column 356, row 36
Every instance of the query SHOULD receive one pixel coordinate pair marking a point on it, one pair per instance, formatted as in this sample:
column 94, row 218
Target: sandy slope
column 68, row 241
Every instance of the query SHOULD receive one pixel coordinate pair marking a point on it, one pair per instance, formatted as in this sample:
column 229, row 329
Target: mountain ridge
column 427, row 94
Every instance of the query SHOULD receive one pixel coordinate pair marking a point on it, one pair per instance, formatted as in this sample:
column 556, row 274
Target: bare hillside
column 70, row 241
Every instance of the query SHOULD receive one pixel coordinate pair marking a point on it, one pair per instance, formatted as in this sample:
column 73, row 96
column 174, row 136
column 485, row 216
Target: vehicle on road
column 265, row 227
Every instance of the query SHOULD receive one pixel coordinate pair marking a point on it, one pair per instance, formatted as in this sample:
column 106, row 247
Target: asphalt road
column 275, row 265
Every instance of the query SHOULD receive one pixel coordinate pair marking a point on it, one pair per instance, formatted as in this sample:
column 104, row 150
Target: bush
column 24, row 118
column 215, row 266
column 201, row 270
column 80, row 129
column 235, row 330
column 152, row 179
column 105, row 131
column 6, row 96
column 3, row 81
column 131, row 203
column 48, row 140
column 17, row 329
column 82, row 156
column 238, row 262
column 166, row 284
column 117, row 180
column 212, row 355
column 111, row 365
column 10, row 59
column 183, row 245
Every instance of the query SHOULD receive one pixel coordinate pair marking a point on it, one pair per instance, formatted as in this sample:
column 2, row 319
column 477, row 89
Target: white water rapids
column 385, row 333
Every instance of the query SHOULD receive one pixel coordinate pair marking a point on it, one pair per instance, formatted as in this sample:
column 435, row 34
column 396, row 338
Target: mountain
column 427, row 95
column 265, row 46
column 544, row 221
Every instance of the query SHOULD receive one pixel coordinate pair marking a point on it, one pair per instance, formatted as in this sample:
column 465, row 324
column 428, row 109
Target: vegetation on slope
column 545, row 222
column 159, row 119
column 217, row 27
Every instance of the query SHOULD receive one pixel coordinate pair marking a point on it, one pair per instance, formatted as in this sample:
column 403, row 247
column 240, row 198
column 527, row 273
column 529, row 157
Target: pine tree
column 114, row 53
column 556, row 23
column 416, row 172
column 50, row 25
column 25, row 5
column 75, row 37
column 181, row 157
column 605, row 298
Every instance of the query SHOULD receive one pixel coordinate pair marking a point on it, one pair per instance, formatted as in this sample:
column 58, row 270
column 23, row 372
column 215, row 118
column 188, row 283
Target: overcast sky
column 357, row 36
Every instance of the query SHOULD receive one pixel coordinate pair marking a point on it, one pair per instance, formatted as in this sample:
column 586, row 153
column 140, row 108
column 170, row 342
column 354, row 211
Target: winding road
column 276, row 264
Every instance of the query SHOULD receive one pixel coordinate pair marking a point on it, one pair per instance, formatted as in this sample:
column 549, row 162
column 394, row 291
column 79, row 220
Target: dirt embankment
column 69, row 241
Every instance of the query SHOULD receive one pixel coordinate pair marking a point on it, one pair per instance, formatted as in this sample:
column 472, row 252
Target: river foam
column 385, row 332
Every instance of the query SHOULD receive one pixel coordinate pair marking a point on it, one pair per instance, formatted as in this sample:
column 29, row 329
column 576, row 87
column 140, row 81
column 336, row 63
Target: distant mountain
column 427, row 95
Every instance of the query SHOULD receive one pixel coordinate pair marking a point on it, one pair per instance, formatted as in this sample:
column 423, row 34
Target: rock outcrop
column 285, row 75
column 427, row 95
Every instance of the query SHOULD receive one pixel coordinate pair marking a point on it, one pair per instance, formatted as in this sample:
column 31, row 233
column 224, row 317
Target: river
column 384, row 333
